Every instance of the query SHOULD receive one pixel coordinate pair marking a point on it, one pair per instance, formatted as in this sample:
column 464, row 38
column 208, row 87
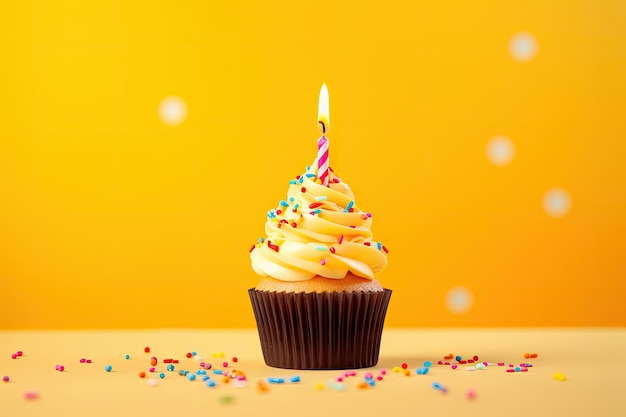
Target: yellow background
column 110, row 218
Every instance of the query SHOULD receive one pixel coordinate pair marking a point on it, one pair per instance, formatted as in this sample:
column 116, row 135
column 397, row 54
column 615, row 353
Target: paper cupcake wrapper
column 330, row 330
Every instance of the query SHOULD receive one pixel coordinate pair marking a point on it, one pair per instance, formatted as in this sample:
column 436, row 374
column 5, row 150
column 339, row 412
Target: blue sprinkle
column 439, row 387
column 218, row 372
column 170, row 368
column 284, row 203
column 108, row 368
column 191, row 376
column 210, row 384
column 309, row 175
column 275, row 380
column 316, row 211
column 127, row 357
column 371, row 383
column 292, row 182
column 458, row 358
column 294, row 379
column 380, row 246
column 518, row 369
column 200, row 372
column 291, row 199
column 181, row 372
column 261, row 240
column 321, row 198
column 349, row 206
column 205, row 377
column 296, row 206
column 161, row 375
column 193, row 353
column 428, row 363
column 301, row 180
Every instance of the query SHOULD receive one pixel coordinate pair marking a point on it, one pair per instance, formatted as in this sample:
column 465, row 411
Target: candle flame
column 323, row 112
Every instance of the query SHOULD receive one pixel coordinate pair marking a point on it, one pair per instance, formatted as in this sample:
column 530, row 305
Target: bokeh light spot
column 172, row 111
column 500, row 150
column 459, row 300
column 523, row 46
column 557, row 202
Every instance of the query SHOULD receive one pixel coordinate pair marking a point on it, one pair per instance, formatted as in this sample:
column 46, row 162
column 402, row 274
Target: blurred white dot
column 172, row 111
column 500, row 150
column 459, row 300
column 523, row 46
column 152, row 382
column 557, row 202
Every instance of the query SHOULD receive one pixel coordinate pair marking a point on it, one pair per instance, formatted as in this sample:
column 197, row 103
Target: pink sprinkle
column 352, row 373
column 500, row 363
column 524, row 369
column 225, row 364
column 346, row 374
column 379, row 377
column 14, row 356
column 88, row 361
column 510, row 370
column 439, row 362
column 323, row 261
column 486, row 363
column 369, row 375
column 202, row 364
column 339, row 379
column 19, row 353
column 241, row 378
column 383, row 372
column 83, row 360
column 31, row 395
column 151, row 369
column 470, row 394
column 60, row 368
column 510, row 365
column 453, row 367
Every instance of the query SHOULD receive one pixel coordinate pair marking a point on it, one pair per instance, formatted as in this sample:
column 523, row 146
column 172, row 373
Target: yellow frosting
column 318, row 231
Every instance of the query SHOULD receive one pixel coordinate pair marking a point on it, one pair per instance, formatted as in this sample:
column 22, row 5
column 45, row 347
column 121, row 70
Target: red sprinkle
column 470, row 361
column 146, row 349
column 167, row 360
column 315, row 205
column 364, row 216
column 175, row 361
column 331, row 249
column 367, row 243
column 303, row 189
column 475, row 357
column 279, row 211
column 189, row 355
column 252, row 248
column 385, row 250
column 340, row 239
column 510, row 370
column 463, row 362
column 336, row 180
column 404, row 365
column 235, row 359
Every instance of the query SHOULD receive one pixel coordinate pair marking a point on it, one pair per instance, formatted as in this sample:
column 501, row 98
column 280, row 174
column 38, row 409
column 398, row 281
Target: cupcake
column 318, row 304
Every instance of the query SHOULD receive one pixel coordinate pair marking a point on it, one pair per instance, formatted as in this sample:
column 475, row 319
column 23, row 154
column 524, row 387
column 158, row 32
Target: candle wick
column 323, row 127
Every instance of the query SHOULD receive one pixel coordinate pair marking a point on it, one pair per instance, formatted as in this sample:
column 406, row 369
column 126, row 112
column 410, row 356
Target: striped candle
column 323, row 119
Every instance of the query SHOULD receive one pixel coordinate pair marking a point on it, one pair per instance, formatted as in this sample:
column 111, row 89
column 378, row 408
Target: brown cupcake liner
column 330, row 330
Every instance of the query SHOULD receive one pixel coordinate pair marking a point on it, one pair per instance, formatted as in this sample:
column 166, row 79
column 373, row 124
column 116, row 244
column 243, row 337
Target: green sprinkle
column 321, row 247
column 321, row 198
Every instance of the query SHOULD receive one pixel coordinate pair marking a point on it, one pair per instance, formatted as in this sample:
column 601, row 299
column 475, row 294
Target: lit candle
column 323, row 120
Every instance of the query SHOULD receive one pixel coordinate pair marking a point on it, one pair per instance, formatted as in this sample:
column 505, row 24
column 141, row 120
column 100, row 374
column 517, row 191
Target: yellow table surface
column 591, row 360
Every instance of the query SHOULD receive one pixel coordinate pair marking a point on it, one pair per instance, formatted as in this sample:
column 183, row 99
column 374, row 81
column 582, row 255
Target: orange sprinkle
column 526, row 355
column 362, row 385
column 262, row 386
column 226, row 380
column 407, row 372
column 142, row 374
column 534, row 355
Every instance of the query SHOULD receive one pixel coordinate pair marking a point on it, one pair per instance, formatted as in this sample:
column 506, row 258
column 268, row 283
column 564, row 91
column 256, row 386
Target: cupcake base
column 329, row 330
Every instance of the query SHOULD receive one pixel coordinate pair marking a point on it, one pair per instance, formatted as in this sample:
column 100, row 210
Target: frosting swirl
column 318, row 231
